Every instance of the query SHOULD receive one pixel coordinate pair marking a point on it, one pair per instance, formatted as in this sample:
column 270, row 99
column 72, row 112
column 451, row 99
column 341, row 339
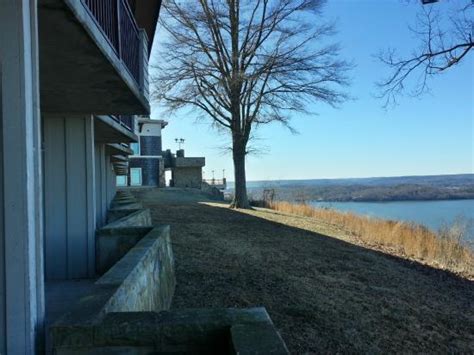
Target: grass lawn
column 324, row 294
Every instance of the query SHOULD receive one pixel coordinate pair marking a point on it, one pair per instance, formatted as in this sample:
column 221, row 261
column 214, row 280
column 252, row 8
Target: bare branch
column 444, row 42
column 245, row 63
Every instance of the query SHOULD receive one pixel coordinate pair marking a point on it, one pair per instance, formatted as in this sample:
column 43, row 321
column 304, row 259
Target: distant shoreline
column 388, row 201
column 404, row 188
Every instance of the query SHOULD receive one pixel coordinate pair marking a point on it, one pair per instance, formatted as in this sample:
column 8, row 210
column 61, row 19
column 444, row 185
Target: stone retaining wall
column 139, row 218
column 113, row 243
column 127, row 309
column 193, row 331
column 145, row 276
column 142, row 281
column 115, row 239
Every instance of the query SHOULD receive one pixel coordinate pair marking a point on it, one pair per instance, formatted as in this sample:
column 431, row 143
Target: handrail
column 124, row 120
column 129, row 39
column 117, row 22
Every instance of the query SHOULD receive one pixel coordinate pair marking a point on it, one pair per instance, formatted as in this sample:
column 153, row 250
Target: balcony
column 114, row 129
column 126, row 121
column 93, row 58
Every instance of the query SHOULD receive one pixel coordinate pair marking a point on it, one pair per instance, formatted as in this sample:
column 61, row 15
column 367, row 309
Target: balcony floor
column 80, row 71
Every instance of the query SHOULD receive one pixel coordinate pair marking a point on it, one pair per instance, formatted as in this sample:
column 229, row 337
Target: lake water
column 433, row 214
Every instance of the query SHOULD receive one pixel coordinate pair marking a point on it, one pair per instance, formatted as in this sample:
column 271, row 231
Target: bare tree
column 244, row 63
column 445, row 40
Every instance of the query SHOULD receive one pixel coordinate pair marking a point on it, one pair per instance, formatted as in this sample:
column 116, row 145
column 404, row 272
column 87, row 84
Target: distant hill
column 400, row 188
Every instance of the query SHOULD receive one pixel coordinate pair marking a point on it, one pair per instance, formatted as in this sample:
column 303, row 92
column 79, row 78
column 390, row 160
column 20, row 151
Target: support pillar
column 21, row 251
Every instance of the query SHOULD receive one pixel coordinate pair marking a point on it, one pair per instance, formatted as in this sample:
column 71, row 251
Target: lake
column 433, row 214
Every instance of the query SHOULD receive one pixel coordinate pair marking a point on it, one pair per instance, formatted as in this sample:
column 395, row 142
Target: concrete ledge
column 140, row 218
column 143, row 280
column 257, row 339
column 188, row 331
column 115, row 239
column 118, row 213
column 113, row 243
column 145, row 275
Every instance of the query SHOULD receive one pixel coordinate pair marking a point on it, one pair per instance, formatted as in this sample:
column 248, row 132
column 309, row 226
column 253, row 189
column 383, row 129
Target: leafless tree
column 445, row 40
column 244, row 63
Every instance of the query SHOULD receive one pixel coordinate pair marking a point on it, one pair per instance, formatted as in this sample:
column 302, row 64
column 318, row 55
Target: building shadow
column 324, row 294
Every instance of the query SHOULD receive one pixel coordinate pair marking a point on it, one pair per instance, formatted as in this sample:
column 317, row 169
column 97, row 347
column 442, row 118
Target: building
column 72, row 75
column 146, row 164
column 82, row 270
column 186, row 172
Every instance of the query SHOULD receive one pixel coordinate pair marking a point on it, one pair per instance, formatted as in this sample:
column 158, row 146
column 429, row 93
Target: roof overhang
column 142, row 121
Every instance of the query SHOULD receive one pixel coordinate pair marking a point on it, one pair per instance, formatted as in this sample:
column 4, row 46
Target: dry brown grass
column 444, row 249
column 325, row 293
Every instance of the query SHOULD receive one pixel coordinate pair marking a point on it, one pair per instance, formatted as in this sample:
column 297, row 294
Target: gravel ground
column 324, row 294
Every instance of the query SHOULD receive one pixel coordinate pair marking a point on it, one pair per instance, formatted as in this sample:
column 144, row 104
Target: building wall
column 69, row 197
column 100, row 185
column 187, row 177
column 151, row 129
column 21, row 250
column 2, row 239
column 152, row 170
column 150, row 145
column 110, row 180
column 105, row 183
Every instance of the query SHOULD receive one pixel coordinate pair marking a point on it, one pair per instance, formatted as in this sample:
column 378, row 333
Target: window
column 136, row 148
column 121, row 180
column 135, row 176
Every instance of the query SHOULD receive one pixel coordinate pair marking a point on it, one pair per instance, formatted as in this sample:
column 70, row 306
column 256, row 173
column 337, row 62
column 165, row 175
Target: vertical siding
column 55, row 211
column 110, row 181
column 69, row 197
column 76, row 200
column 2, row 236
column 99, row 218
column 101, row 185
column 21, row 230
column 91, row 186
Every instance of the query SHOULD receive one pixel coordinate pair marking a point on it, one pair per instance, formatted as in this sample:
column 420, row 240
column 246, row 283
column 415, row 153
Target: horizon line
column 352, row 178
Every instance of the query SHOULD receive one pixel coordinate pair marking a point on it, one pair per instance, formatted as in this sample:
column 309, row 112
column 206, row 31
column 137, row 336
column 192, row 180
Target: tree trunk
column 240, row 194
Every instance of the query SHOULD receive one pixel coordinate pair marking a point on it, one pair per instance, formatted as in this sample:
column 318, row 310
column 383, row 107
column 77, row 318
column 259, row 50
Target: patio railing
column 117, row 22
column 124, row 120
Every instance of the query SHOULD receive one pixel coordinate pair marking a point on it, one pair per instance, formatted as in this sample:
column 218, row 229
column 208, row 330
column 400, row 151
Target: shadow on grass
column 324, row 294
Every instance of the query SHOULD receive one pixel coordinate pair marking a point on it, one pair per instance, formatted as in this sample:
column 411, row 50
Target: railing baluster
column 117, row 22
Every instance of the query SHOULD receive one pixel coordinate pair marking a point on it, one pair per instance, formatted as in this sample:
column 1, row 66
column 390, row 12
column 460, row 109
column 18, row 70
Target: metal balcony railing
column 125, row 120
column 117, row 22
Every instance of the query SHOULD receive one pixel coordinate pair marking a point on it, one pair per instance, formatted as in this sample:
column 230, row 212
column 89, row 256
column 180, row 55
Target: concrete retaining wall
column 115, row 239
column 113, row 243
column 142, row 281
column 140, row 218
column 192, row 331
column 145, row 276
column 127, row 311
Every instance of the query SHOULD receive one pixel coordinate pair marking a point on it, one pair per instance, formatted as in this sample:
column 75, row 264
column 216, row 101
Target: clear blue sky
column 422, row 136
